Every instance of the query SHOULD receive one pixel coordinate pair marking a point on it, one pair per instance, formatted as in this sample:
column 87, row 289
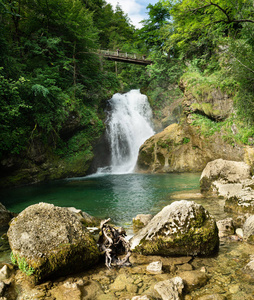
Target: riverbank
column 222, row 275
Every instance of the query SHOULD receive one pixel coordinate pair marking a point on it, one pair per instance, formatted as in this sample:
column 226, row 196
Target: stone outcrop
column 213, row 103
column 224, row 171
column 182, row 149
column 47, row 240
column 230, row 180
column 182, row 228
column 240, row 202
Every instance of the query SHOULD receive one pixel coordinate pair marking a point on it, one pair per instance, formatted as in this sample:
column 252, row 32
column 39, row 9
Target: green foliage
column 13, row 135
column 202, row 84
column 150, row 33
column 186, row 140
column 243, row 134
column 51, row 69
column 22, row 264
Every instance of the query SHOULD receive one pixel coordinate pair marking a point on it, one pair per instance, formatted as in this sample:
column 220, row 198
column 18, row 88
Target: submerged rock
column 182, row 228
column 193, row 279
column 249, row 268
column 155, row 267
column 170, row 289
column 47, row 241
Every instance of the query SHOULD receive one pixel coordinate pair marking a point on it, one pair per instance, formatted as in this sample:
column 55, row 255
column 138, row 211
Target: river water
column 116, row 192
column 120, row 197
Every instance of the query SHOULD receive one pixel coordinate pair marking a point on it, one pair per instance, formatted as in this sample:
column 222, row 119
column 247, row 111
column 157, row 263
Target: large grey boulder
column 47, row 240
column 224, row 171
column 182, row 228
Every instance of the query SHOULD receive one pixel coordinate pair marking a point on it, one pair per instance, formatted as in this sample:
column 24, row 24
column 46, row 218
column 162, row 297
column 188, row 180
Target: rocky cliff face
column 182, row 147
column 67, row 153
column 211, row 102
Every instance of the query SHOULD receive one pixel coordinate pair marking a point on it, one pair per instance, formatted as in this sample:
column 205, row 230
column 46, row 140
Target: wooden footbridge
column 125, row 57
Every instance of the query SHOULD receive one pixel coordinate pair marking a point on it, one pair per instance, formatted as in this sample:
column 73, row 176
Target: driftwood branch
column 112, row 243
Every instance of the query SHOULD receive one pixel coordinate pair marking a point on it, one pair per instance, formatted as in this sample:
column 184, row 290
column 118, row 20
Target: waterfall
column 128, row 127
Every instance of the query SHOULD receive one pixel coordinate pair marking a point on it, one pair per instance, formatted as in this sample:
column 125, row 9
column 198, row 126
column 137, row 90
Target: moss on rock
column 52, row 241
column 182, row 228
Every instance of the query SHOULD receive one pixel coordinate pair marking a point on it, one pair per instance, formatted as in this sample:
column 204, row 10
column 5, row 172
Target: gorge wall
column 183, row 146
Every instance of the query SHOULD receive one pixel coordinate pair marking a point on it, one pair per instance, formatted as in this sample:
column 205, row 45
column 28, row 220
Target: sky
column 135, row 9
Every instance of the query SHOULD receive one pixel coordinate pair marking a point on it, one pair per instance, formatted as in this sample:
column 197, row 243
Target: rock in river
column 224, row 170
column 182, row 228
column 47, row 241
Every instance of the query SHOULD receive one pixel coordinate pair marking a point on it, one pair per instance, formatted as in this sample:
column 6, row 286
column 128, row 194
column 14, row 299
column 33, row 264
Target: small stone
column 185, row 267
column 234, row 288
column 4, row 273
column 193, row 279
column 119, row 284
column 239, row 232
column 225, row 227
column 131, row 288
column 80, row 282
column 170, row 289
column 155, row 267
column 203, row 269
column 140, row 298
column 70, row 285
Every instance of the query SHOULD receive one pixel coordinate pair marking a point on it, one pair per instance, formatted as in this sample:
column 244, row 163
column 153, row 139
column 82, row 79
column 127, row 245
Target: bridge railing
column 122, row 54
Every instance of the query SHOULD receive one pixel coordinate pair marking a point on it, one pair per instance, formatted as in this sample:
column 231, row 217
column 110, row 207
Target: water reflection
column 120, row 197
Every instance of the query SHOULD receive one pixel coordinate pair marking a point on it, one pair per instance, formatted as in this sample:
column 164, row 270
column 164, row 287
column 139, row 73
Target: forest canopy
column 50, row 69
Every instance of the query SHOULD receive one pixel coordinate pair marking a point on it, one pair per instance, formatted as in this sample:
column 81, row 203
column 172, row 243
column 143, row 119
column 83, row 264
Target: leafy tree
column 150, row 33
column 199, row 24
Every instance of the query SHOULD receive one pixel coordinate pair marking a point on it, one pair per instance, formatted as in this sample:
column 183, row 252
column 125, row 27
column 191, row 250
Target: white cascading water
column 128, row 127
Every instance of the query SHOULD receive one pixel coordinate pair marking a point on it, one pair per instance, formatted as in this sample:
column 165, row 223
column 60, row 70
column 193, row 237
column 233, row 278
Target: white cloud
column 136, row 12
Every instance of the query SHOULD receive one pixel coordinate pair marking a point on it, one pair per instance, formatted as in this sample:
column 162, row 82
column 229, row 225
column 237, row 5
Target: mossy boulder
column 182, row 228
column 49, row 241
column 180, row 148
